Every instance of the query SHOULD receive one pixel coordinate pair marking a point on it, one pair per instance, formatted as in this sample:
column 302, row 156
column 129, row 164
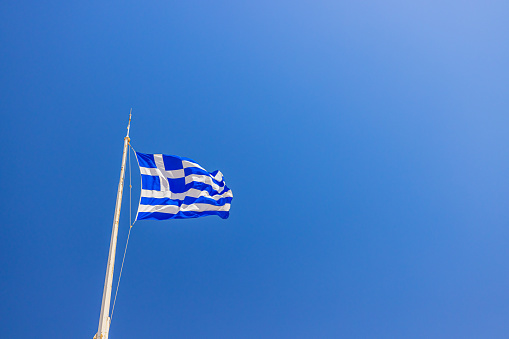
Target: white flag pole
column 104, row 319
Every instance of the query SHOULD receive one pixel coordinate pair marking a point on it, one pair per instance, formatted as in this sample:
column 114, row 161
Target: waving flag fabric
column 174, row 187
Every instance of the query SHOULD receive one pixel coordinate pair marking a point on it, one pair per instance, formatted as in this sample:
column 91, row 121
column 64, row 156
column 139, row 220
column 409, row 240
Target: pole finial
column 129, row 124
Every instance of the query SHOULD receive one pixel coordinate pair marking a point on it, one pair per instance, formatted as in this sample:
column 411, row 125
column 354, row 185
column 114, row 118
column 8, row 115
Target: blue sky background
column 366, row 144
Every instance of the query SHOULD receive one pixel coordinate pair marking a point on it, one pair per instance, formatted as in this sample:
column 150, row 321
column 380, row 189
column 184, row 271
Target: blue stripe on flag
column 149, row 182
column 178, row 185
column 186, row 201
column 200, row 186
column 180, row 215
column 146, row 160
column 172, row 163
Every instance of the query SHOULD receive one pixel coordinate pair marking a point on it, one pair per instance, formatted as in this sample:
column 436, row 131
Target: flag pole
column 104, row 319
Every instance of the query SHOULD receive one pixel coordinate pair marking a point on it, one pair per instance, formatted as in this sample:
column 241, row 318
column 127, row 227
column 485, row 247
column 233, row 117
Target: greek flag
column 174, row 187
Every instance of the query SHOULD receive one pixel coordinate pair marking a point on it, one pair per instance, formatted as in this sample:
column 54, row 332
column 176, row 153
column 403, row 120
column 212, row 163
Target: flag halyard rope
column 128, row 234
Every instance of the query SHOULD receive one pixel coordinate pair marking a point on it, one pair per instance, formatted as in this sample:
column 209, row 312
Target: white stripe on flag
column 205, row 179
column 187, row 164
column 175, row 174
column 192, row 192
column 158, row 159
column 173, row 209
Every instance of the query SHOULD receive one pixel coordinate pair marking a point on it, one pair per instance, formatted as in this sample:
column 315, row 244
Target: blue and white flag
column 174, row 187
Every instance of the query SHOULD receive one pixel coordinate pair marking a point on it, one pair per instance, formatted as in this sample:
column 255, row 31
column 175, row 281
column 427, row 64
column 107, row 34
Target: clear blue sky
column 366, row 143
